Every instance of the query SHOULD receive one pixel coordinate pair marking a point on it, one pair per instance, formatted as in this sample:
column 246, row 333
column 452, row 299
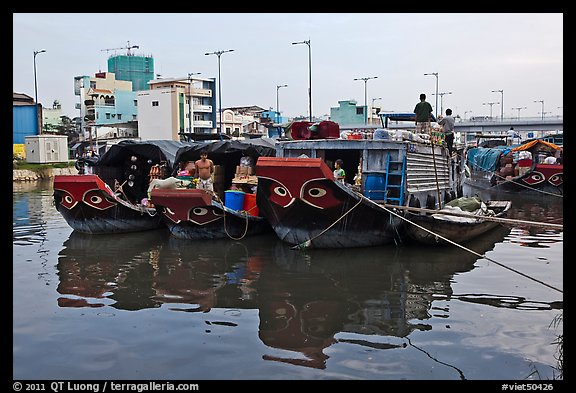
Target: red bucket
column 249, row 204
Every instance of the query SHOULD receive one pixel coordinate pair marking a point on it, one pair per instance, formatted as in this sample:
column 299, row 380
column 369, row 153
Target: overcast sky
column 473, row 54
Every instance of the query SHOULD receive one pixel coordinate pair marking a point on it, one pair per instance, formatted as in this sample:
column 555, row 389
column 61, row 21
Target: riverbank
column 40, row 172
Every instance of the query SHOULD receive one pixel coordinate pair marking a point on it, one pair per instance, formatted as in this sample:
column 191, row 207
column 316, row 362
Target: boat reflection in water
column 371, row 297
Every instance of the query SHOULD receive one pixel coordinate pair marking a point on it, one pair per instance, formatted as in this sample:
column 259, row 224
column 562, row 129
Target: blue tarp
column 484, row 158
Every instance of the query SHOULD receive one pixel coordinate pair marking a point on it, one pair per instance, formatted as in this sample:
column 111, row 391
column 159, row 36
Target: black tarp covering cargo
column 128, row 163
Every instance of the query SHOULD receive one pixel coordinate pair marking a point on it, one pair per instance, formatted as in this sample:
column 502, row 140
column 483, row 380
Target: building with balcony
column 104, row 102
column 177, row 109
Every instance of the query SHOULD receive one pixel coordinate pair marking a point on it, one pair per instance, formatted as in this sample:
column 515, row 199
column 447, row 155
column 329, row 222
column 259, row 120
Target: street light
column 309, row 72
column 372, row 107
column 518, row 109
column 190, row 100
column 36, row 91
column 442, row 100
column 490, row 103
column 542, row 102
column 366, row 79
column 436, row 75
column 219, row 53
column 502, row 101
column 277, row 101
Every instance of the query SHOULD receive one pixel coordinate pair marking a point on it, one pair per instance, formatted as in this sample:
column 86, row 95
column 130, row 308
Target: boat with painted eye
column 109, row 195
column 307, row 207
column 533, row 167
column 196, row 214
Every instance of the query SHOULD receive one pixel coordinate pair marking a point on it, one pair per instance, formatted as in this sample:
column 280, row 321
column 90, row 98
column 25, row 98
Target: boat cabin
column 400, row 168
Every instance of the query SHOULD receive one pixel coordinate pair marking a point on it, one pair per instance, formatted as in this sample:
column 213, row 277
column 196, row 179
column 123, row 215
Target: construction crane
column 127, row 47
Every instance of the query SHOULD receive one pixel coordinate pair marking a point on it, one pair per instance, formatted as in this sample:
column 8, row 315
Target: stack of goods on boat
column 230, row 209
column 534, row 166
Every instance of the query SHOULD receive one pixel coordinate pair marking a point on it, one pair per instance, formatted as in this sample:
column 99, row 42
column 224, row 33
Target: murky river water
column 146, row 306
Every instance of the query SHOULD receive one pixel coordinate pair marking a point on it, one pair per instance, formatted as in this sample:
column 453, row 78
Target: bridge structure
column 466, row 129
column 526, row 127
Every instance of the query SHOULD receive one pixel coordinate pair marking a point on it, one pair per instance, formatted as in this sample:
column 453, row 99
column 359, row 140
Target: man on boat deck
column 423, row 111
column 447, row 124
column 204, row 170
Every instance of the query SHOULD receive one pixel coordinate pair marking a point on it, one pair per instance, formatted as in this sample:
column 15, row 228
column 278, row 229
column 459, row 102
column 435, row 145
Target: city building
column 24, row 122
column 177, row 109
column 52, row 117
column 104, row 102
column 348, row 112
column 137, row 69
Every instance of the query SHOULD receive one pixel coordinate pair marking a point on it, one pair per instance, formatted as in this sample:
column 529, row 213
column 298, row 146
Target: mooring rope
column 462, row 247
column 307, row 243
column 217, row 198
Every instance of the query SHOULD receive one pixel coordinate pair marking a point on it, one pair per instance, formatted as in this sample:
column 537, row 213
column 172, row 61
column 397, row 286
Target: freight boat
column 307, row 207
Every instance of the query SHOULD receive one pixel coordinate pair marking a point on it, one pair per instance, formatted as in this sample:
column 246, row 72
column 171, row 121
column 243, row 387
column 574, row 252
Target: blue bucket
column 234, row 199
column 374, row 186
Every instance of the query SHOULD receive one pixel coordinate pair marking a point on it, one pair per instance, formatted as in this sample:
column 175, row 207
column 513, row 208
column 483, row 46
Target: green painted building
column 348, row 112
column 137, row 69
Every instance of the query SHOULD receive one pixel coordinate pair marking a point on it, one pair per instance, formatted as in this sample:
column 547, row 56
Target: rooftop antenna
column 127, row 47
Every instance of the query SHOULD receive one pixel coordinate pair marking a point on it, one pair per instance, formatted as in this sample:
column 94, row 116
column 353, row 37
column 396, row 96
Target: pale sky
column 473, row 54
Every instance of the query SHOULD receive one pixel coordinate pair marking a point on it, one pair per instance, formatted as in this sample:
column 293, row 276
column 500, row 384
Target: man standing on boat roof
column 447, row 124
column 423, row 111
column 204, row 170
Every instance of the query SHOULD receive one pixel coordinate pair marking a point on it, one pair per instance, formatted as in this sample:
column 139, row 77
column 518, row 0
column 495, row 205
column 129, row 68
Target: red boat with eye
column 196, row 214
column 109, row 195
column 308, row 208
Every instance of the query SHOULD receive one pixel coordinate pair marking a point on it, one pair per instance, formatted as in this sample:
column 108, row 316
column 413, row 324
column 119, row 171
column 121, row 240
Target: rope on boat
column 217, row 198
column 460, row 246
column 308, row 243
column 482, row 218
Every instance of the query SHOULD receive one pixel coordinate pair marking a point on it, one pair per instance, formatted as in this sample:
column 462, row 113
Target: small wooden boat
column 461, row 220
column 109, row 195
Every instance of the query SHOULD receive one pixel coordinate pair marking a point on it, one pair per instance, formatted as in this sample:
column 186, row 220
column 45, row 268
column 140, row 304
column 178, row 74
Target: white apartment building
column 176, row 108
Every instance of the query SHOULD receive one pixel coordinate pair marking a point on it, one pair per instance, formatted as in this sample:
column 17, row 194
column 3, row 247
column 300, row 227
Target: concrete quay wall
column 20, row 175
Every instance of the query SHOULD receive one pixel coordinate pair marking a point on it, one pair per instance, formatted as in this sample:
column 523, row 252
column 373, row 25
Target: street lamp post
column 542, row 102
column 501, row 102
column 372, row 107
column 36, row 91
column 490, row 103
column 366, row 79
column 518, row 109
column 442, row 101
column 309, row 73
column 219, row 53
column 190, row 100
column 436, row 75
column 278, row 87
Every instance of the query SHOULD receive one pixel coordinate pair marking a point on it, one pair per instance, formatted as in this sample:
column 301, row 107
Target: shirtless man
column 204, row 171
